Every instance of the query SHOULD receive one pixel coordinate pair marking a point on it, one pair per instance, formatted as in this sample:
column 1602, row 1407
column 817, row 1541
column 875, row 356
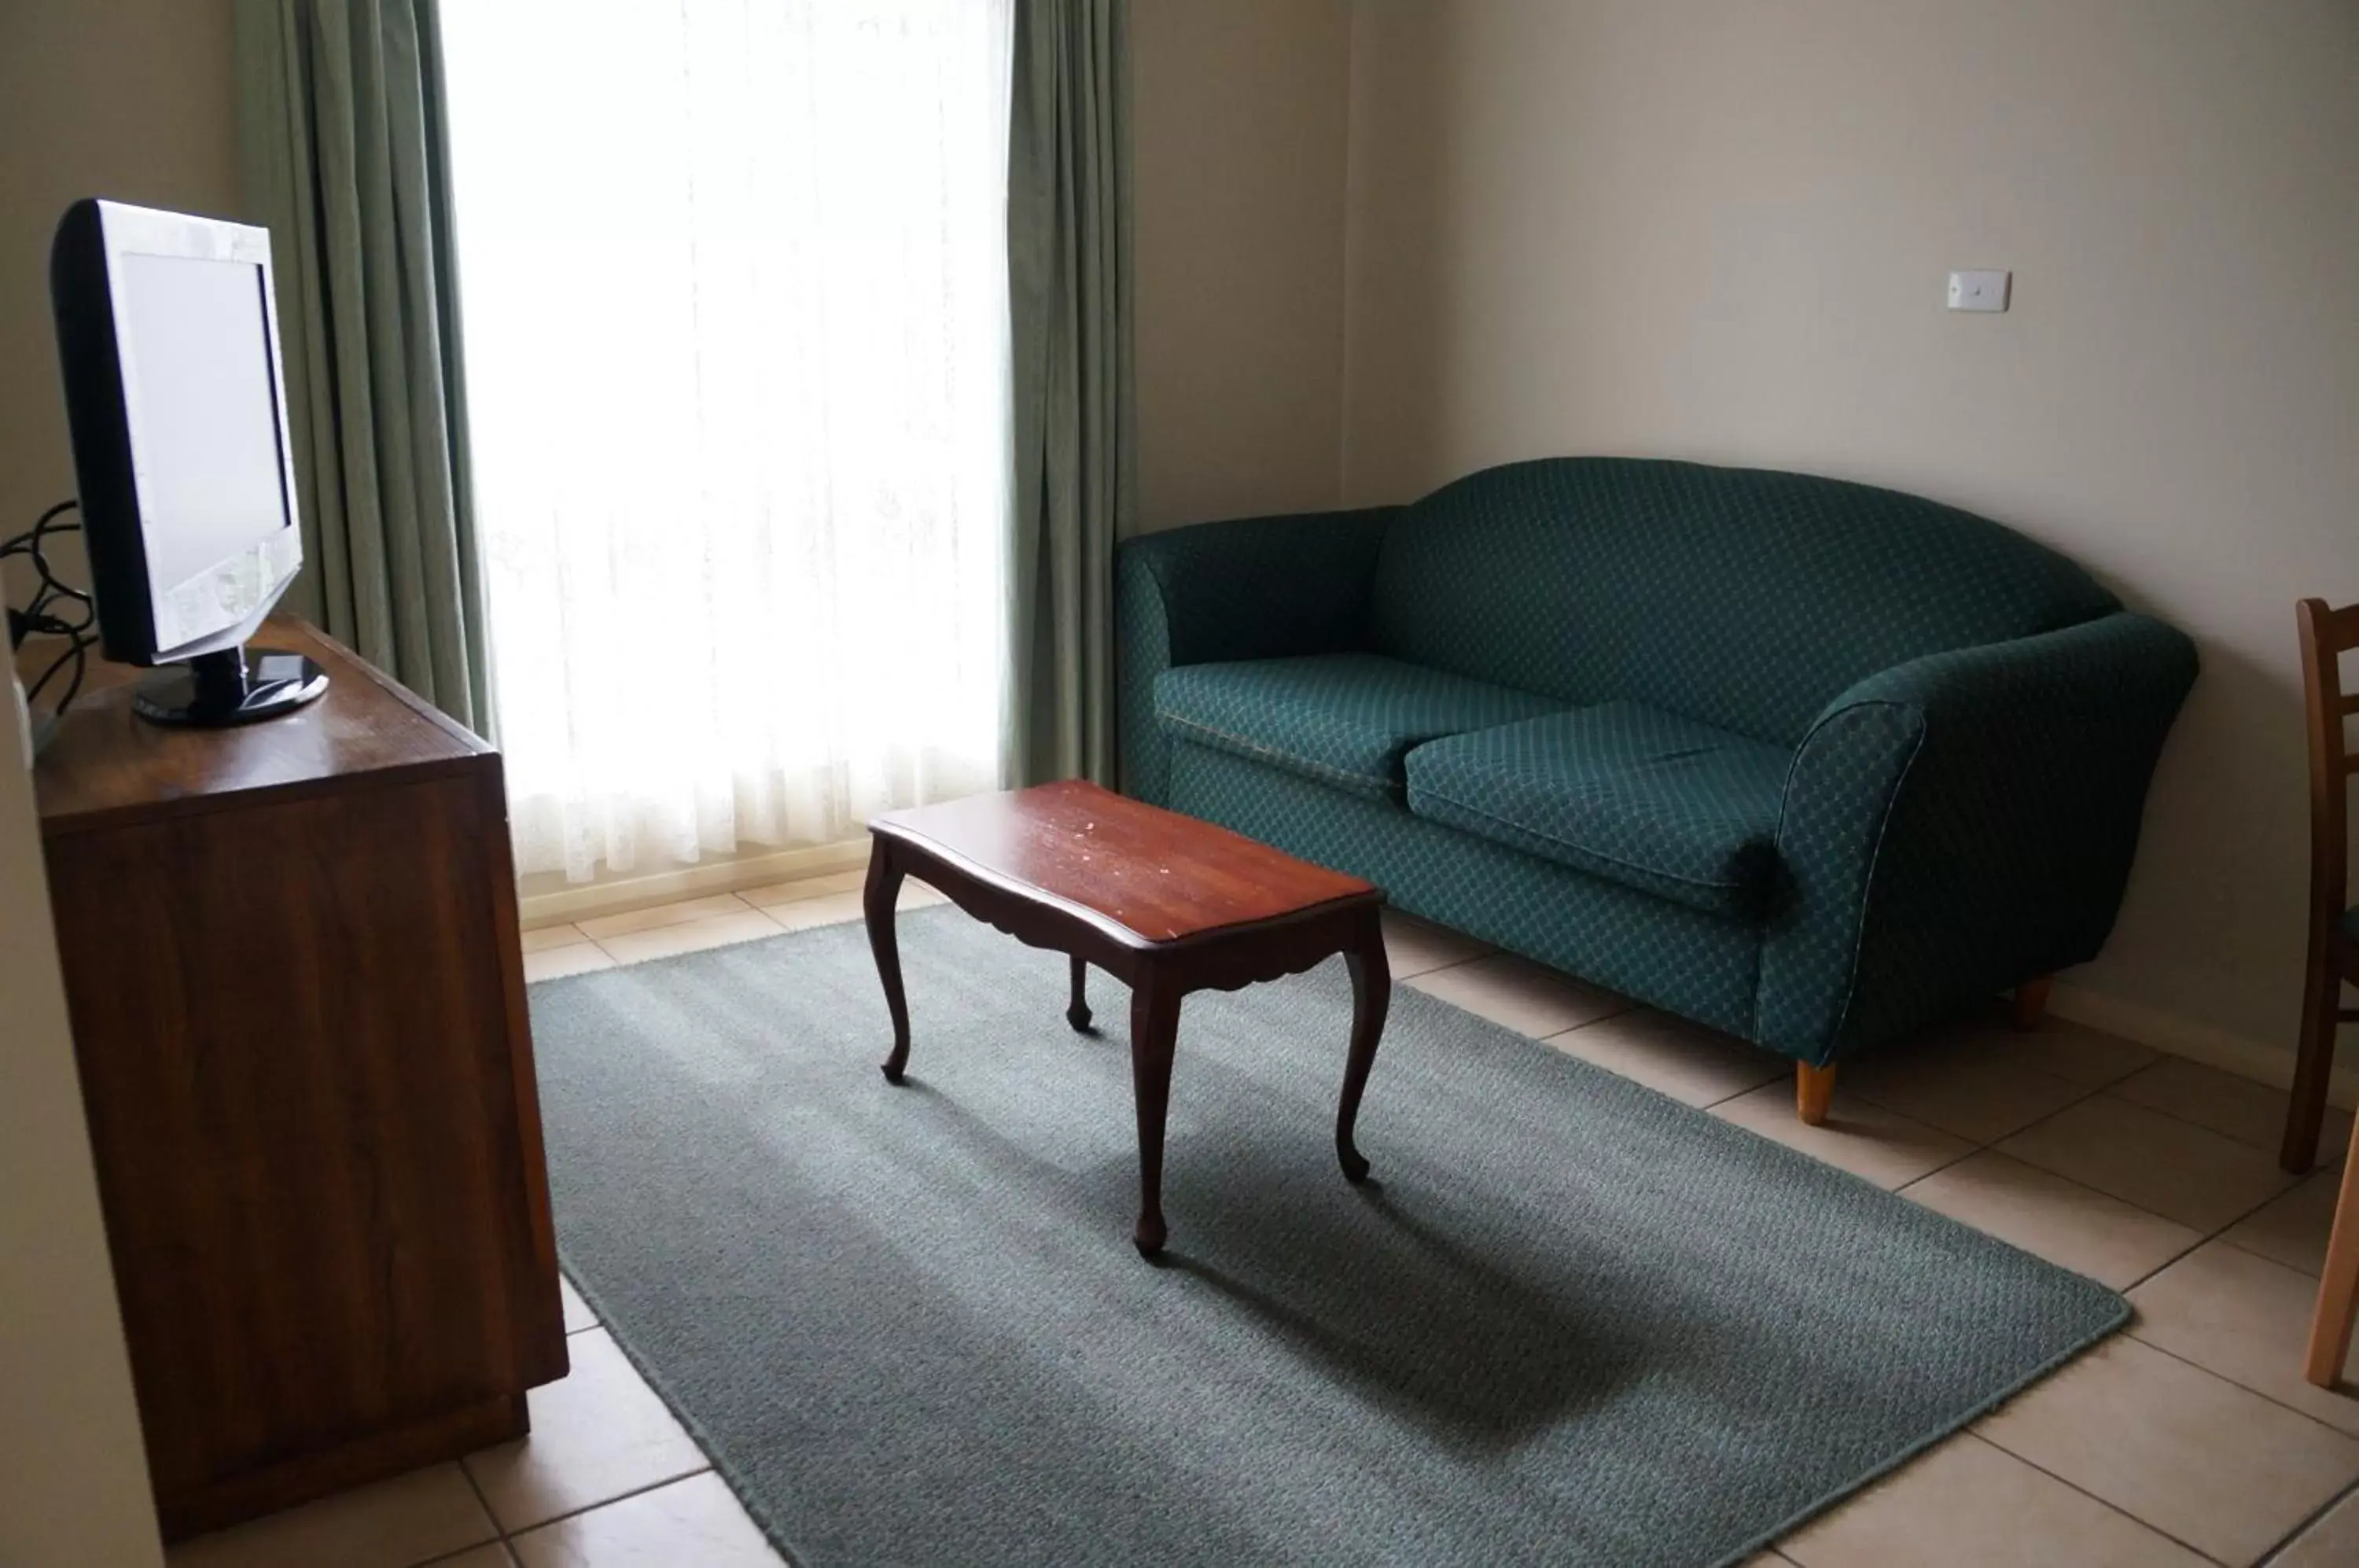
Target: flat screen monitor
column 167, row 339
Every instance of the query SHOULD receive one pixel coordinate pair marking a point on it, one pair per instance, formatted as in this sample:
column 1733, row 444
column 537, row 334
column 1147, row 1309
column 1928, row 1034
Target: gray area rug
column 1571, row 1321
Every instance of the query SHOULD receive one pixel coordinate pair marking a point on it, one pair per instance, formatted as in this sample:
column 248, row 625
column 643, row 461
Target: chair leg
column 2338, row 1287
column 2031, row 1002
column 1813, row 1086
column 2321, row 993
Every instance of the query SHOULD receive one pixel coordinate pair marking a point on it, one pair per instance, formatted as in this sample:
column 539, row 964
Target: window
column 733, row 280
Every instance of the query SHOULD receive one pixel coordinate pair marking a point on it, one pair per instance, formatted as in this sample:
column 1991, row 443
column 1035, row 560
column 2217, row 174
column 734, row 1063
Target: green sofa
column 1801, row 759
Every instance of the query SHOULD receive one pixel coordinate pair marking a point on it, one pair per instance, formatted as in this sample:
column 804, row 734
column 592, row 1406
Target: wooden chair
column 2334, row 960
column 2334, row 952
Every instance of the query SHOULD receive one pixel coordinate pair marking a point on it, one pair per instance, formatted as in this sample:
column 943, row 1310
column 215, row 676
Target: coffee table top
column 1155, row 875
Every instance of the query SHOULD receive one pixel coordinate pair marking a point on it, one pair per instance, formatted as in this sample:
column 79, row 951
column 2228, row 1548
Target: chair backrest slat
column 2326, row 633
column 2341, row 626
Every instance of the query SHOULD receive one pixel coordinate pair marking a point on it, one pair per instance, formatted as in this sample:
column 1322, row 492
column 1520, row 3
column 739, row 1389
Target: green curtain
column 1070, row 317
column 340, row 134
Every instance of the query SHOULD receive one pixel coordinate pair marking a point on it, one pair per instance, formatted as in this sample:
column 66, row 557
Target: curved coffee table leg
column 1371, row 995
column 1078, row 1014
column 1153, row 1030
column 876, row 901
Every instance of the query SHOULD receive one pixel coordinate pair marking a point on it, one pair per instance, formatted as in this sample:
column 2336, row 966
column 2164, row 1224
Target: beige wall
column 74, row 1476
column 129, row 98
column 123, row 98
column 1721, row 231
column 1237, row 149
column 1697, row 227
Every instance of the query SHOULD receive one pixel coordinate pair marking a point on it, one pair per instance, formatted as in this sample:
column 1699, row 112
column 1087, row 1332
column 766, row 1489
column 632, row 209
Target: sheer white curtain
column 733, row 279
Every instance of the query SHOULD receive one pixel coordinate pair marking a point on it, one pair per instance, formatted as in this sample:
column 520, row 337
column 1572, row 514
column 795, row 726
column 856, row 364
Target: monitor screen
column 200, row 399
column 167, row 343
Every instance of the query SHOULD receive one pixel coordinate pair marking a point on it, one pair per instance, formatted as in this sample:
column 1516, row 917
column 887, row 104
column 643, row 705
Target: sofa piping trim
column 1582, row 849
column 1286, row 761
column 1874, row 855
column 1121, row 759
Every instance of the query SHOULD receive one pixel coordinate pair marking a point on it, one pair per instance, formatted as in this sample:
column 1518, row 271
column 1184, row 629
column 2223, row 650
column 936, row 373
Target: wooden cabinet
column 291, row 958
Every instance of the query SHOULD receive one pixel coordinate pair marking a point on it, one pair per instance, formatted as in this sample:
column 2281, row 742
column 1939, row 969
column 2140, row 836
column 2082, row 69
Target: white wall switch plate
column 1979, row 290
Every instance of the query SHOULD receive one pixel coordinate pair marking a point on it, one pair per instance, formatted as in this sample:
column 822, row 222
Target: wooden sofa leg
column 1813, row 1086
column 2031, row 1002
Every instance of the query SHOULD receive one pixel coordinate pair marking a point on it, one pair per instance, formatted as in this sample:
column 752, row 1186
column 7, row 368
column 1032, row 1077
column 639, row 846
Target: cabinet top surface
column 106, row 761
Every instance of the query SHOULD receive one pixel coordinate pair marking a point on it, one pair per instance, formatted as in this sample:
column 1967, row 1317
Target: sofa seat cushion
column 1622, row 791
column 1345, row 719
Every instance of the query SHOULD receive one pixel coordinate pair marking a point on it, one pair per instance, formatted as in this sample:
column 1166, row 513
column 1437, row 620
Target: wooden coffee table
column 1162, row 902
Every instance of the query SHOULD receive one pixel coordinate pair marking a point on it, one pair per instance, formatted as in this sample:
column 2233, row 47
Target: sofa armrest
column 1254, row 588
column 1959, row 823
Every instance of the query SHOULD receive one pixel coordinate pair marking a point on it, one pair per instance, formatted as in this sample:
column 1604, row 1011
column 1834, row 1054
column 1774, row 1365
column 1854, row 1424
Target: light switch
column 1979, row 290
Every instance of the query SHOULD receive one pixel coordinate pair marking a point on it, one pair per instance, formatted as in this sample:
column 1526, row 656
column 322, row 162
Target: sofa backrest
column 1741, row 597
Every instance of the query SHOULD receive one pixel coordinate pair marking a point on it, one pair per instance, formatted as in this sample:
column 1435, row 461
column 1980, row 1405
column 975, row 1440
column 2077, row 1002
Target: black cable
column 51, row 585
column 37, row 617
column 77, row 650
column 50, row 591
column 31, row 536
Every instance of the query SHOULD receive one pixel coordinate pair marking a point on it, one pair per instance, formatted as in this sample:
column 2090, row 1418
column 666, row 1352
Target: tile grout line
column 499, row 1537
column 1413, row 979
column 2184, row 1253
column 2299, row 1530
column 1993, row 1148
column 2083, row 1098
column 622, row 963
column 501, row 1541
column 2274, row 1547
column 745, row 906
column 1974, row 1146
column 2125, row 1331
column 1725, row 1099
column 2130, row 1329
column 2323, row 1165
column 2111, row 1086
column 483, row 1501
column 2224, row 1239
column 2203, row 1238
column 704, row 1469
column 2071, row 1484
column 2220, row 1235
column 1972, row 1150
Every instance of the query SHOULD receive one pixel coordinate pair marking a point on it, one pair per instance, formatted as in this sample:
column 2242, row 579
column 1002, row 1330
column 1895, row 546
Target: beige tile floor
column 2191, row 1438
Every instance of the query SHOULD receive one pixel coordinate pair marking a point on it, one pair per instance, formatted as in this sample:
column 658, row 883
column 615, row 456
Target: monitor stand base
column 214, row 690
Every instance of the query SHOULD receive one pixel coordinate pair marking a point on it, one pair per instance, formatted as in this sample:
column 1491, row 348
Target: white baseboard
column 622, row 893
column 2175, row 1036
